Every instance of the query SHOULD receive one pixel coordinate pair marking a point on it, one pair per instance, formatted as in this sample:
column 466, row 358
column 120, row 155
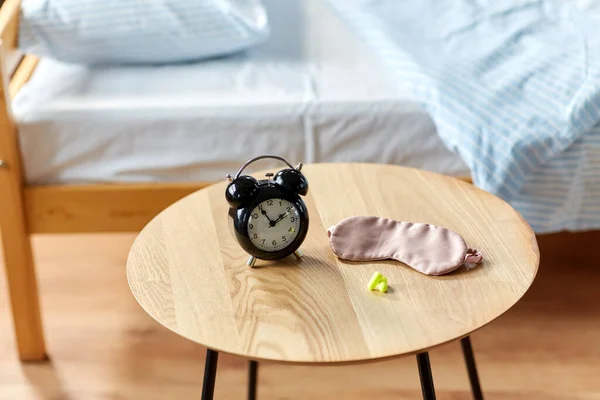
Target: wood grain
column 318, row 310
column 100, row 207
column 18, row 258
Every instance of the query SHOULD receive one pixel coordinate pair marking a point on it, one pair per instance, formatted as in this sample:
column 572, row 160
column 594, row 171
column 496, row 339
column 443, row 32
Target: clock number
column 263, row 241
column 284, row 238
column 280, row 203
column 291, row 229
column 288, row 209
column 255, row 236
column 292, row 219
column 255, row 216
column 274, row 243
column 250, row 226
column 269, row 202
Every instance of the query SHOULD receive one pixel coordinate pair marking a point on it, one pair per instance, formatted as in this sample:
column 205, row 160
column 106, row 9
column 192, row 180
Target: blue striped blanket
column 513, row 87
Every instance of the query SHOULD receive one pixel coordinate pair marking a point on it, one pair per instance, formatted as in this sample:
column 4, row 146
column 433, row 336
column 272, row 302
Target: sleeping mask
column 429, row 249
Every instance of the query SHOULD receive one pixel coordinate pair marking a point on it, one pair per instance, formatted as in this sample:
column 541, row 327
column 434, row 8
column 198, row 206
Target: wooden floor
column 104, row 347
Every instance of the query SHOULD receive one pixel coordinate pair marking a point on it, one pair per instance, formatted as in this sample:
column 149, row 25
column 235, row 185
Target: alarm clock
column 267, row 217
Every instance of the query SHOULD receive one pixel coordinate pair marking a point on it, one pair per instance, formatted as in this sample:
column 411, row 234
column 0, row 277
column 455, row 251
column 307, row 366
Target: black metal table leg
column 425, row 375
column 210, row 374
column 252, row 375
column 471, row 368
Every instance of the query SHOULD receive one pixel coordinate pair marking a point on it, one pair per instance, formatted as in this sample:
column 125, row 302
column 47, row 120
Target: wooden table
column 186, row 270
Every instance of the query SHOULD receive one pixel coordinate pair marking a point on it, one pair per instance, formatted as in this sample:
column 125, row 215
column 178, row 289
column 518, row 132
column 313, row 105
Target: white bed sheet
column 313, row 93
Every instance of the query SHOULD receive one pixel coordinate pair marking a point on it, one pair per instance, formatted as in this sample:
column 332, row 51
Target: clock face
column 273, row 225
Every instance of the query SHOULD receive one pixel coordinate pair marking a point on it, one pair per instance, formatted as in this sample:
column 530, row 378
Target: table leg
column 471, row 368
column 210, row 374
column 252, row 375
column 426, row 378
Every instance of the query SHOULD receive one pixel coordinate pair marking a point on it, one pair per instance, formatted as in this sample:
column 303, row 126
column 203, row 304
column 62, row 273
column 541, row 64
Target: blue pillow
column 139, row 31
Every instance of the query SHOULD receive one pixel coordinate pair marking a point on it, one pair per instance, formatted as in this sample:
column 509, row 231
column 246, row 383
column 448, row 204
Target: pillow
column 139, row 31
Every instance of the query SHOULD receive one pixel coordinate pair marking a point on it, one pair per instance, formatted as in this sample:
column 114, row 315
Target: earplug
column 383, row 285
column 379, row 282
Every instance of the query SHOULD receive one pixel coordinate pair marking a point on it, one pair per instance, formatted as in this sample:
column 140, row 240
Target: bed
column 105, row 149
column 310, row 93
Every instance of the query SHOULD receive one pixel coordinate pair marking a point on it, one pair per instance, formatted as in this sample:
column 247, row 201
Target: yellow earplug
column 382, row 286
column 375, row 279
column 379, row 282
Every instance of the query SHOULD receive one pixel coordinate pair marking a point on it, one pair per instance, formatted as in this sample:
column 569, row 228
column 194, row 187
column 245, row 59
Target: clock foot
column 251, row 261
column 298, row 254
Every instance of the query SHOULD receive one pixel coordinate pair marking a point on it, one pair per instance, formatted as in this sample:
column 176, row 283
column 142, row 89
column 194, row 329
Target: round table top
column 186, row 271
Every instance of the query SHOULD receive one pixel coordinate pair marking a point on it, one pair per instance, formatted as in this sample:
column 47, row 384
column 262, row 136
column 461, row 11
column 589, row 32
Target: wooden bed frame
column 29, row 209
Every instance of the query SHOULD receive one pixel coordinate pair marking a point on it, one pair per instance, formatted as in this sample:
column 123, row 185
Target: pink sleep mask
column 429, row 249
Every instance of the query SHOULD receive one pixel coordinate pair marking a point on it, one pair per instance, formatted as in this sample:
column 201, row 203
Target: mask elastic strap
column 473, row 256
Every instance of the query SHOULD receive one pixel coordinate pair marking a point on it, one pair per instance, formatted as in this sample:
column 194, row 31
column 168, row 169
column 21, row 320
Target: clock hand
column 263, row 212
column 281, row 216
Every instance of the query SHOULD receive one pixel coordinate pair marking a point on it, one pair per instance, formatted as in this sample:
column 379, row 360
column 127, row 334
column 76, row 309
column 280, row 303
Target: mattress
column 315, row 92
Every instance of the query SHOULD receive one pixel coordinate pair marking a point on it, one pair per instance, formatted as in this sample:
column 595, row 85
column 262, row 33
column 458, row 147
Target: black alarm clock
column 267, row 217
